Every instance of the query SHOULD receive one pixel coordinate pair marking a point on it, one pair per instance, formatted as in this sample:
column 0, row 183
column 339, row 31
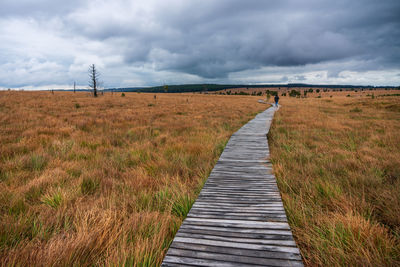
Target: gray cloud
column 148, row 42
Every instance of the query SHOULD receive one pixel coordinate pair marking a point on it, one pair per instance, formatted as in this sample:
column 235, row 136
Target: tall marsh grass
column 105, row 181
column 337, row 163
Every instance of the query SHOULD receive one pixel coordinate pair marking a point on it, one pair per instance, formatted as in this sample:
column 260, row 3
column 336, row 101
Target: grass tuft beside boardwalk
column 337, row 162
column 105, row 181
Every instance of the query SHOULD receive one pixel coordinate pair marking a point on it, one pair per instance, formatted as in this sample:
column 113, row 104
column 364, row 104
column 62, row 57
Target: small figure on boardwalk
column 276, row 98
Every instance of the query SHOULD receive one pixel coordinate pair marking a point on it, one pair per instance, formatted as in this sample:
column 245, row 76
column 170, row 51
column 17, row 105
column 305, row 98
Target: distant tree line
column 184, row 88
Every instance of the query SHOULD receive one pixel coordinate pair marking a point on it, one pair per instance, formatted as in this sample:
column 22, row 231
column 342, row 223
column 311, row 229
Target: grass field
column 105, row 181
column 337, row 162
column 108, row 181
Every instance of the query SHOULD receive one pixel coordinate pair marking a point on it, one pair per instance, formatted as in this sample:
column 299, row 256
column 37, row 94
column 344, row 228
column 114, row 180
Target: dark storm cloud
column 214, row 38
column 204, row 40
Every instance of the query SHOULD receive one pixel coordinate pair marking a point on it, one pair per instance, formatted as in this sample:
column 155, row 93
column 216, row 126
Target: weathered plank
column 238, row 218
column 238, row 252
column 231, row 258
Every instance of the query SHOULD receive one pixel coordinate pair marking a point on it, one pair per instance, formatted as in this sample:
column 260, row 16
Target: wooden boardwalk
column 238, row 218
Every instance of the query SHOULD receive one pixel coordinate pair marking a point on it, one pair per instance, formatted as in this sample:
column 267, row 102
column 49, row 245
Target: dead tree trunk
column 94, row 79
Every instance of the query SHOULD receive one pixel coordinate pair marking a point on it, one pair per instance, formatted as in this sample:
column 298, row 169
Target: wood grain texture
column 238, row 218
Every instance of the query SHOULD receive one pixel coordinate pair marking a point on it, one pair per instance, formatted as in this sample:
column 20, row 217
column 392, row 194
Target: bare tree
column 94, row 79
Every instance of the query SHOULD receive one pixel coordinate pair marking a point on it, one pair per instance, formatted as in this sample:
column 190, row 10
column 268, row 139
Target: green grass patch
column 53, row 200
column 75, row 173
column 89, row 186
column 35, row 163
column 35, row 193
column 219, row 147
column 3, row 175
column 182, row 205
column 356, row 109
column 18, row 207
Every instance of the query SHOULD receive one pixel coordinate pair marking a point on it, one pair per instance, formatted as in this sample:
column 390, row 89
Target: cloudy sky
column 51, row 43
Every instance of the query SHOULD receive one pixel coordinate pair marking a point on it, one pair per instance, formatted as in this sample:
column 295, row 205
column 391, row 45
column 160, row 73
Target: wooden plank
column 250, row 211
column 233, row 210
column 260, row 218
column 238, row 202
column 260, row 205
column 256, row 224
column 236, row 234
column 237, row 230
column 170, row 264
column 239, row 196
column 200, row 262
column 227, row 214
column 238, row 213
column 280, row 242
column 272, row 248
column 242, row 260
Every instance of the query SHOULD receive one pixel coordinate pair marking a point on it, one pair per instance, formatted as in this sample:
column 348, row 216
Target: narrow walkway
column 238, row 218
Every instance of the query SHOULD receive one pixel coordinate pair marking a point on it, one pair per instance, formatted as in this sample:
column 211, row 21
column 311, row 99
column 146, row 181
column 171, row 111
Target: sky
column 51, row 43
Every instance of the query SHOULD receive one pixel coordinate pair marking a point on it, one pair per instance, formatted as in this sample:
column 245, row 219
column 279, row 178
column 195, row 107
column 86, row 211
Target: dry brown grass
column 337, row 161
column 105, row 181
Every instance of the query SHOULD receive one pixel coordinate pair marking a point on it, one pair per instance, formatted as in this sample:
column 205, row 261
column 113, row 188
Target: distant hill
column 186, row 88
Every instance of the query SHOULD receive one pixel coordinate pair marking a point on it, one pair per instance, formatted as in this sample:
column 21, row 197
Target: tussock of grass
column 89, row 186
column 182, row 205
column 35, row 163
column 339, row 176
column 52, row 199
column 108, row 181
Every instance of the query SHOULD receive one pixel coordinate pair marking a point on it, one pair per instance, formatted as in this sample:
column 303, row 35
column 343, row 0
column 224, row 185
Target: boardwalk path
column 238, row 218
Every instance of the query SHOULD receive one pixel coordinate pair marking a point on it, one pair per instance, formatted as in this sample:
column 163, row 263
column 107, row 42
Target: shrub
column 243, row 93
column 77, row 105
column 294, row 93
column 123, row 95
